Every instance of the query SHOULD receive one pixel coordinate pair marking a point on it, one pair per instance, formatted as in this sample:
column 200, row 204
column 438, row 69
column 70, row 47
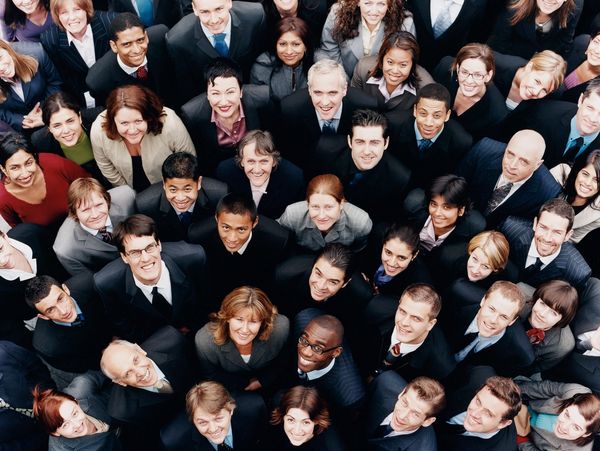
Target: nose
column 214, row 18
column 321, row 283
column 230, row 236
column 245, row 327
column 297, row 428
column 429, row 120
column 145, row 256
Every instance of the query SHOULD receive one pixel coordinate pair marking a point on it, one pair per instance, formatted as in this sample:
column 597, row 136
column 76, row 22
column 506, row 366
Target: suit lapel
column 70, row 53
column 236, row 34
column 137, row 298
column 232, row 355
column 91, row 242
column 356, row 44
column 203, row 43
column 100, row 38
column 180, row 288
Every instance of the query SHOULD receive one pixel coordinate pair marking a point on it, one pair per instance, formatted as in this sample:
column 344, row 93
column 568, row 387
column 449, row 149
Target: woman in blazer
column 134, row 135
column 75, row 21
column 27, row 79
column 392, row 76
column 530, row 26
column 476, row 102
column 344, row 37
column 241, row 345
column 24, row 21
column 581, row 187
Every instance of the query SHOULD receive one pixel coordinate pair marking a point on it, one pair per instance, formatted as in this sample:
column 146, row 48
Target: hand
column 253, row 385
column 596, row 339
column 34, row 118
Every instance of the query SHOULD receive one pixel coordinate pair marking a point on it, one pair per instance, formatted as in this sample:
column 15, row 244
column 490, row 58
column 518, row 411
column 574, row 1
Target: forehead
column 398, row 54
column 473, row 64
column 431, row 106
column 298, row 414
column 202, row 5
column 488, row 401
column 521, row 148
column 250, row 151
column 415, row 308
column 234, row 220
column 575, row 416
column 179, row 182
column 19, row 157
column 53, row 295
column 224, row 83
column 367, row 133
column 545, row 78
column 128, row 114
column 553, row 221
column 4, row 53
column 321, row 198
column 415, row 402
column 319, row 335
column 328, row 270
column 66, row 408
column 63, row 114
column 327, row 82
column 121, row 357
column 93, row 197
column 137, row 242
column 397, row 246
column 290, row 36
column 593, row 99
column 201, row 414
column 501, row 304
column 130, row 34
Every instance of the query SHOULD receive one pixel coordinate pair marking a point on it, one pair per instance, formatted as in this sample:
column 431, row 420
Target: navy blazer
column 45, row 82
column 166, row 12
column 67, row 59
column 569, row 265
column 482, row 167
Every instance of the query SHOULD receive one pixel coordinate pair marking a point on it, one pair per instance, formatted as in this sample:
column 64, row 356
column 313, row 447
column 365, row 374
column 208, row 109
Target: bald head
column 523, row 155
column 127, row 364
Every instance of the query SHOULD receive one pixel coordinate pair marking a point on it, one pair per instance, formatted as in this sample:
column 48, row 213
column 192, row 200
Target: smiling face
column 410, row 412
column 130, row 366
column 256, row 166
column 549, row 6
column 290, row 49
column 286, row 7
column 73, row 18
column 21, row 169
column 181, row 193
column 327, row 92
column 495, row 314
column 587, row 118
column 396, row 255
column 8, row 254
column 472, row 77
column 131, row 125
column 478, row 265
column 213, row 14
column 57, row 306
column 413, row 322
column 65, row 126
column 367, row 145
column 93, row 211
column 234, row 230
column 443, row 214
column 372, row 11
column 298, row 426
column 593, row 52
column 147, row 266
column 543, row 316
column 534, row 84
column 485, row 412
column 75, row 422
column 325, row 280
column 243, row 327
column 7, row 65
column 520, row 160
column 396, row 67
column 131, row 46
column 225, row 97
column 27, row 6
column 324, row 210
column 213, row 426
column 570, row 424
column 586, row 182
column 550, row 231
column 308, row 360
column 430, row 117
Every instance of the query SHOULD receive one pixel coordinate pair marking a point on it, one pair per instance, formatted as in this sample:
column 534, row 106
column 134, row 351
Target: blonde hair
column 494, row 245
column 25, row 68
column 551, row 62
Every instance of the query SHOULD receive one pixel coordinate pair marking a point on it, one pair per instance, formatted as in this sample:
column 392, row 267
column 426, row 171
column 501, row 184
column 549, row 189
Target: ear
column 199, row 182
column 448, row 113
column 137, row 347
column 488, row 77
column 255, row 222
column 345, row 89
column 504, row 424
column 113, row 45
column 124, row 258
column 461, row 211
column 337, row 352
column 387, row 143
column 118, row 382
column 241, row 92
column 482, row 302
column 534, row 223
column 539, row 163
column 349, row 141
column 415, row 110
column 347, row 282
column 65, row 289
column 428, row 422
column 580, row 100
column 568, row 236
column 512, row 322
column 415, row 255
column 432, row 322
column 39, row 315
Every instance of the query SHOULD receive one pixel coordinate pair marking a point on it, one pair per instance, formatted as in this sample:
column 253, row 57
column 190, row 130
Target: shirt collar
column 400, row 89
column 405, row 348
column 77, row 309
column 159, row 375
column 366, row 27
column 587, row 139
column 130, row 70
column 420, row 137
column 13, row 274
column 164, row 281
column 242, row 249
column 316, row 374
column 336, row 117
column 388, row 420
column 209, row 34
column 472, row 329
column 87, row 35
column 533, row 253
column 460, row 419
column 431, row 230
column 94, row 232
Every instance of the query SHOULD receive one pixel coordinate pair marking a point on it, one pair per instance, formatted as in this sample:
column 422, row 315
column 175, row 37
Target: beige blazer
column 114, row 160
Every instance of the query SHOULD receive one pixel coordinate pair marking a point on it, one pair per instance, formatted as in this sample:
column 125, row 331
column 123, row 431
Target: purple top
column 27, row 32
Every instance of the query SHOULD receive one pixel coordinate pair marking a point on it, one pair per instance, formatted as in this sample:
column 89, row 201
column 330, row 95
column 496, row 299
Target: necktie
column 185, row 218
column 224, row 447
column 357, row 178
column 462, row 355
column 383, row 430
column 328, row 128
column 78, row 321
column 424, row 144
column 161, row 304
column 532, row 269
column 536, row 336
column 302, row 375
column 392, row 354
column 453, row 429
column 573, row 150
column 443, row 21
column 221, row 45
column 141, row 73
column 105, row 235
column 163, row 386
column 145, row 8
column 498, row 195
column 26, row 412
column 381, row 277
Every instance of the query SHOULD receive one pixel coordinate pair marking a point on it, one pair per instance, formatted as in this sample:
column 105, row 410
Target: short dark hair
column 369, row 118
column 122, row 22
column 559, row 207
column 306, row 399
column 561, row 297
column 181, row 165
column 592, row 87
column 265, row 145
column 136, row 225
column 56, row 102
column 452, row 188
column 338, row 256
column 38, row 288
column 223, row 67
column 592, row 158
column 435, row 91
column 237, row 204
column 406, row 233
column 11, row 143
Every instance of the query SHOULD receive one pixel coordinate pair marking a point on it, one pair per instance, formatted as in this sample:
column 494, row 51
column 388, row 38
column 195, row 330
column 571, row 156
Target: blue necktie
column 146, row 9
column 357, row 178
column 462, row 355
column 185, row 218
column 443, row 21
column 220, row 44
column 328, row 128
column 424, row 144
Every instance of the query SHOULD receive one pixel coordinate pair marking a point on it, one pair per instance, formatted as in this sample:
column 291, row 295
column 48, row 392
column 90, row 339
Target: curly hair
column 347, row 19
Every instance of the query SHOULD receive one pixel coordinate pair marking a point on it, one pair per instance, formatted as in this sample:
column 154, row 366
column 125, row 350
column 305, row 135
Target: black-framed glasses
column 136, row 254
column 317, row 349
column 477, row 76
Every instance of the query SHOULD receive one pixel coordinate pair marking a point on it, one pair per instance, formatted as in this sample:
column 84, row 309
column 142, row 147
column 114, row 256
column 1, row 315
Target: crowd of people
column 299, row 225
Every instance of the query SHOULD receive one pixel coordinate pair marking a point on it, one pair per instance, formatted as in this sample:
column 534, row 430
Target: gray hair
column 327, row 66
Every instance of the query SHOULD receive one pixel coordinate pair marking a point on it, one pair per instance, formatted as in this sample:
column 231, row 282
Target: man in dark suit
column 183, row 198
column 373, row 179
column 214, row 418
column 20, row 372
column 151, row 12
column 443, row 28
column 217, row 28
column 482, row 328
column 542, row 252
column 71, row 329
column 146, row 290
column 149, row 382
column 241, row 250
column 219, row 119
column 399, row 415
column 508, row 179
column 138, row 57
column 427, row 141
column 479, row 416
column 411, row 345
column 325, row 108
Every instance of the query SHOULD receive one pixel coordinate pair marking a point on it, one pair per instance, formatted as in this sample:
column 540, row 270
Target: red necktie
column 142, row 73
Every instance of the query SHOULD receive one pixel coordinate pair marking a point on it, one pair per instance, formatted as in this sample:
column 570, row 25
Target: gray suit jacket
column 545, row 397
column 78, row 250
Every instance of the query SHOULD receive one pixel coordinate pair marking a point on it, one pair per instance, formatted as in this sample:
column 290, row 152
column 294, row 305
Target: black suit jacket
column 106, row 74
column 132, row 316
column 20, row 372
column 439, row 159
column 299, row 132
column 458, row 34
column 286, row 186
column 196, row 115
column 482, row 167
column 168, row 350
column 191, row 50
column 67, row 59
column 386, row 389
column 153, row 203
column 166, row 12
column 247, row 423
column 569, row 265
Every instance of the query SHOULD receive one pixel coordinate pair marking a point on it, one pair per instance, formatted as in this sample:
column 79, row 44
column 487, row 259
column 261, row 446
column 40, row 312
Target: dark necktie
column 78, row 321
column 536, row 336
column 105, row 235
column 392, row 355
column 224, row 447
column 141, row 73
column 357, row 178
column 302, row 375
column 221, row 45
column 532, row 269
column 161, row 304
column 498, row 195
column 466, row 343
column 185, row 218
column 572, row 151
column 424, row 144
column 443, row 20
column 453, row 429
column 26, row 412
column 328, row 128
column 383, row 430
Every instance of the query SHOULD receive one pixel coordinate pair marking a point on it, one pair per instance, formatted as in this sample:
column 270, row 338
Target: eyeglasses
column 137, row 253
column 317, row 349
column 464, row 74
